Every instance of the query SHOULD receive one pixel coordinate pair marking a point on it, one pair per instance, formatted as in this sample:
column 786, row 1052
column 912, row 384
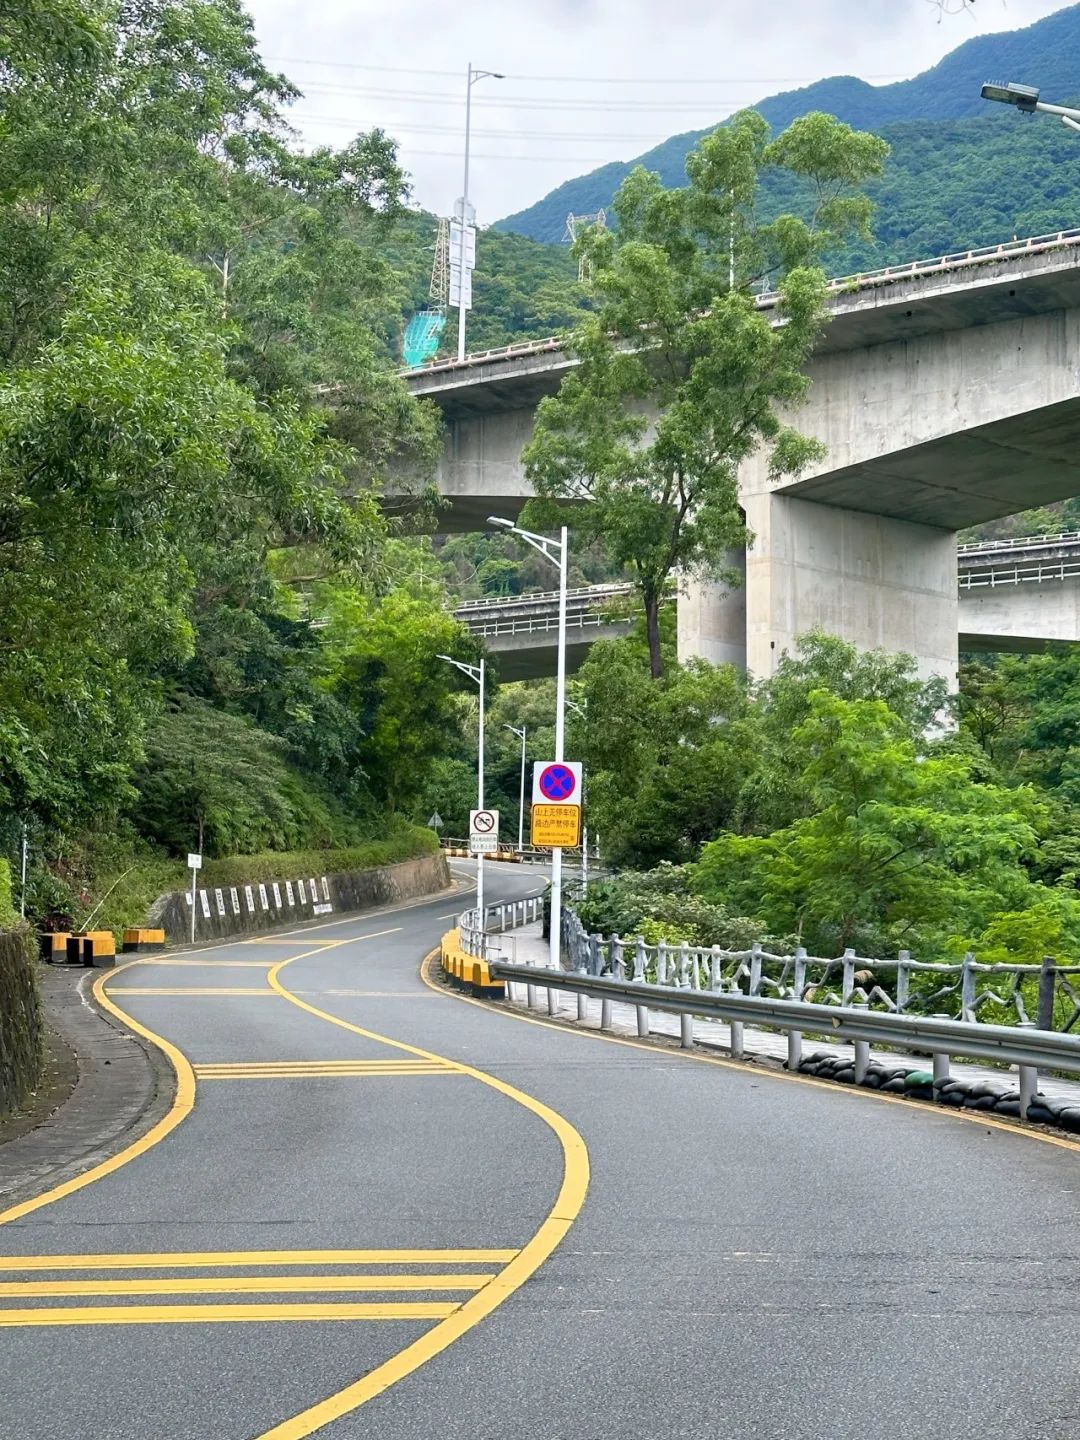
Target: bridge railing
column 544, row 624
column 1035, row 573
column 1044, row 993
column 776, row 992
column 842, row 284
column 1017, row 542
column 586, row 593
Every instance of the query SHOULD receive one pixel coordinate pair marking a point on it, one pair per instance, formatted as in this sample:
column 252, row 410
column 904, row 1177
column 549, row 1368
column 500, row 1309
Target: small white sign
column 277, row 895
column 235, row 897
column 262, row 898
column 302, row 887
column 220, row 898
column 205, row 904
column 314, row 892
column 483, row 831
column 289, row 893
column 325, row 889
column 322, row 909
column 249, row 895
column 194, row 862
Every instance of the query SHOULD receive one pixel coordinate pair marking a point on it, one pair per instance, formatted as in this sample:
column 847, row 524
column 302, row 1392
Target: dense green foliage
column 824, row 807
column 962, row 172
column 206, row 637
column 681, row 377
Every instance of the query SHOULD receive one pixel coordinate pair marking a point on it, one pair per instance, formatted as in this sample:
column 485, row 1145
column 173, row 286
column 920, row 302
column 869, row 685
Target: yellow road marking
column 383, row 1073
column 190, row 990
column 552, row 1230
column 205, row 1314
column 181, row 1106
column 856, row 1092
column 231, row 1066
column 213, row 964
column 218, row 1259
column 237, row 1285
column 353, row 940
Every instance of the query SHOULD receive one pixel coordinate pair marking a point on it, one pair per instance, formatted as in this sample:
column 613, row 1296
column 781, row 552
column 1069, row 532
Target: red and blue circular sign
column 558, row 783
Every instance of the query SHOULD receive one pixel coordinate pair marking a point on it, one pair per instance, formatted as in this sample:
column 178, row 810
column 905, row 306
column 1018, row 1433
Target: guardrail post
column 794, row 1050
column 848, row 983
column 862, row 1060
column 736, row 1030
column 641, row 956
column 800, row 971
column 941, row 1069
column 903, row 980
column 967, row 988
column 686, row 1031
column 755, row 967
column 716, row 968
column 615, row 953
column 1047, row 979
column 684, row 965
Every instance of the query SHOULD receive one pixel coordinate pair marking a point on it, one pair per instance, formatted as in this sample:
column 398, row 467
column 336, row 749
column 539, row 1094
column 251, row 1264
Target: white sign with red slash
column 483, row 831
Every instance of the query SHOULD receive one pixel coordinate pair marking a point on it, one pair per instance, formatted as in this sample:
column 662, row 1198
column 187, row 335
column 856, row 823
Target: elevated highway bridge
column 1013, row 596
column 946, row 393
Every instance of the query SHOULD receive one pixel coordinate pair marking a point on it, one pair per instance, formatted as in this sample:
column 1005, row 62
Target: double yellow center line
column 320, row 1069
column 111, row 1287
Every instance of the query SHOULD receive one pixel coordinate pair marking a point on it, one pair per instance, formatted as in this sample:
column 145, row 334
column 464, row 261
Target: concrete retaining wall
column 235, row 910
column 20, row 1019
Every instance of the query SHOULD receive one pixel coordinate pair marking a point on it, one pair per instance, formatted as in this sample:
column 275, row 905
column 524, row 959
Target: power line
column 579, row 79
column 652, row 137
column 519, row 102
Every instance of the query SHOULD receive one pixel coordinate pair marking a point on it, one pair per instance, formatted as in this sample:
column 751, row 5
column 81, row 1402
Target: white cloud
column 401, row 64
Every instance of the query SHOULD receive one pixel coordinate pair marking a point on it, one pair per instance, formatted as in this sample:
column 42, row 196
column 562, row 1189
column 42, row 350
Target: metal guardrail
column 544, row 624
column 967, row 986
column 1018, row 542
column 617, row 971
column 769, row 299
column 1038, row 573
column 588, row 594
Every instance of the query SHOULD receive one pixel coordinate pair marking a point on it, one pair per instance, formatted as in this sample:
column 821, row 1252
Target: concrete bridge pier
column 876, row 581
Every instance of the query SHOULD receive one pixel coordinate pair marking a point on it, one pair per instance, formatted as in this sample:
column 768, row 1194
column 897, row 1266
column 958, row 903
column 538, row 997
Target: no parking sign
column 557, row 782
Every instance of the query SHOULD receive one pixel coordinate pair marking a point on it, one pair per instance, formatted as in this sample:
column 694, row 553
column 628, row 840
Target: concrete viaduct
column 1013, row 595
column 947, row 393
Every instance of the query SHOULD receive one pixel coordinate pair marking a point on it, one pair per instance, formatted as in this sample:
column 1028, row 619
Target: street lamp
column 521, row 798
column 472, row 77
column 583, row 711
column 554, row 551
column 1026, row 98
column 476, row 673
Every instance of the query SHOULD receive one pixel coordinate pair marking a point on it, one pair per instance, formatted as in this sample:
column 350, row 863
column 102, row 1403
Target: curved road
column 360, row 1203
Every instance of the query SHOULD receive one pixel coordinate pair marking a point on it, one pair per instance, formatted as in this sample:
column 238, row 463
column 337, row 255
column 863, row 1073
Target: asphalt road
column 755, row 1256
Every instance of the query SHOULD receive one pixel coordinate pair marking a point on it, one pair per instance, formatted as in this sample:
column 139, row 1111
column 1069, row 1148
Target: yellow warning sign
column 556, row 825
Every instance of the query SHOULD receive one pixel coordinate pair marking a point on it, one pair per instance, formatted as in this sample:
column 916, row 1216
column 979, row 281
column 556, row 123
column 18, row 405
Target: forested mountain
column 962, row 172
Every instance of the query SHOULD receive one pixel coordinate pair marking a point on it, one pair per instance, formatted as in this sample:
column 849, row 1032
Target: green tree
column 680, row 376
column 900, row 850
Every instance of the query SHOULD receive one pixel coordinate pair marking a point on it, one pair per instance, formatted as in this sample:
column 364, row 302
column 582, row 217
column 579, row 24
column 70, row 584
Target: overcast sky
column 587, row 81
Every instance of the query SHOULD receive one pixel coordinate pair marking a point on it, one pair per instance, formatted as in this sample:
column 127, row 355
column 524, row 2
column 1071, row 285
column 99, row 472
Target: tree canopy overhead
column 681, row 376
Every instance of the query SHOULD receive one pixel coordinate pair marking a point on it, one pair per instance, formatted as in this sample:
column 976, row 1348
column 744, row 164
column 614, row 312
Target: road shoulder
column 124, row 1087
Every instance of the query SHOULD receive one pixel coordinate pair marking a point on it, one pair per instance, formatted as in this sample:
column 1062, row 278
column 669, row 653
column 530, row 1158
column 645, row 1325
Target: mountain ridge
column 1046, row 53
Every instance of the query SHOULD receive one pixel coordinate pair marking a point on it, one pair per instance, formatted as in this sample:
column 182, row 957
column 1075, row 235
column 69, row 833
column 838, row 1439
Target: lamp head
column 1024, row 97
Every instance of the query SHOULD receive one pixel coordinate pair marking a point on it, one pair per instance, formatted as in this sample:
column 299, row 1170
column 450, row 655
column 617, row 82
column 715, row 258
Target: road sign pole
column 480, row 805
column 555, row 957
column 194, row 874
column 521, row 798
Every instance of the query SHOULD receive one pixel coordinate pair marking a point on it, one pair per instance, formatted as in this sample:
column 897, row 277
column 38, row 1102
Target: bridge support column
column 712, row 618
column 872, row 580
